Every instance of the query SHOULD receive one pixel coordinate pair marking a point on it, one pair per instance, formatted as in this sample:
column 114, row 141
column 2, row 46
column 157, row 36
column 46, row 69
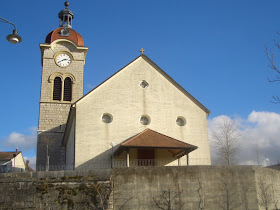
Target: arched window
column 57, row 87
column 62, row 83
column 67, row 96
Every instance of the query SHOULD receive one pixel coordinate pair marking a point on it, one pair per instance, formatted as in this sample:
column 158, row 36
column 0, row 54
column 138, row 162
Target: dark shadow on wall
column 104, row 160
column 101, row 161
column 49, row 143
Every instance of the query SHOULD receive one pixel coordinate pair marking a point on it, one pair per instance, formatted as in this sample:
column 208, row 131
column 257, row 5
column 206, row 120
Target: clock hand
column 62, row 60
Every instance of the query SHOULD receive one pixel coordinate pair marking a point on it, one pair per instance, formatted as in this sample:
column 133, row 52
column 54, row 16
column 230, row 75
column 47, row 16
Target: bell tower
column 63, row 59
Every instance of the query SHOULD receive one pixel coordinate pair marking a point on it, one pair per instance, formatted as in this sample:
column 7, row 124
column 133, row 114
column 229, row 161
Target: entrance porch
column 150, row 148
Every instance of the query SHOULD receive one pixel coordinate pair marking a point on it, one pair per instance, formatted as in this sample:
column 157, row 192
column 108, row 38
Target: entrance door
column 146, row 157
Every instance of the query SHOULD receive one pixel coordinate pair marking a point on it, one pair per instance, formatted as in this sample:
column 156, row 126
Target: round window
column 181, row 121
column 107, row 118
column 145, row 120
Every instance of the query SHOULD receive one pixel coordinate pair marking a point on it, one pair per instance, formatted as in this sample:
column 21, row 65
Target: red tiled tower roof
column 74, row 36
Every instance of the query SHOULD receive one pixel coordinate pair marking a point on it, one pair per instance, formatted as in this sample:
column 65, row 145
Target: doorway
column 146, row 157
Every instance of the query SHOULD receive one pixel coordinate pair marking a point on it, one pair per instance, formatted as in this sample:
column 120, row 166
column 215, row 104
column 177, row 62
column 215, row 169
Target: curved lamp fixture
column 13, row 38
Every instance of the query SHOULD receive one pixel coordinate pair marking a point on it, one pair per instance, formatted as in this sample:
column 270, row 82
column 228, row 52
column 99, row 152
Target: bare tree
column 230, row 198
column 274, row 67
column 201, row 194
column 245, row 190
column 225, row 140
column 168, row 199
column 266, row 194
column 118, row 198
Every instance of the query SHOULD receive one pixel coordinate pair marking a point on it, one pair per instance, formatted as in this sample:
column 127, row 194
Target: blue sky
column 214, row 49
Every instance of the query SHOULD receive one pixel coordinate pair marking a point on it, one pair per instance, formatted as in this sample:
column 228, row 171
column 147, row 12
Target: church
column 139, row 116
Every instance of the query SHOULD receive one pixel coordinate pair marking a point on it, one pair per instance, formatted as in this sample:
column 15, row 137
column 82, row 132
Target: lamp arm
column 6, row 21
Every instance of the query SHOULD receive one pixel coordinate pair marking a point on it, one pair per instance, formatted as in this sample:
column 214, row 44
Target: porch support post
column 187, row 155
column 179, row 161
column 127, row 157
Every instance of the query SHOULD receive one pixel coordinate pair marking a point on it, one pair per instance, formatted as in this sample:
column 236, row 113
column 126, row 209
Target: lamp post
column 12, row 38
column 112, row 153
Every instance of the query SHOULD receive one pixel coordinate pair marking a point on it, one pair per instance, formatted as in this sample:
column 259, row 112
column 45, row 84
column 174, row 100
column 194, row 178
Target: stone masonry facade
column 53, row 114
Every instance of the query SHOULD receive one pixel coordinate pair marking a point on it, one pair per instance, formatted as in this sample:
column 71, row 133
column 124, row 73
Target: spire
column 66, row 16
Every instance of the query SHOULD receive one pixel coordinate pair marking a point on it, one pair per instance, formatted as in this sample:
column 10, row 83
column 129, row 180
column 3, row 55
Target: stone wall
column 193, row 187
column 55, row 190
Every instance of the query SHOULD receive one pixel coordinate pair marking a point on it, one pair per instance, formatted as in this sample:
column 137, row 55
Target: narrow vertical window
column 67, row 96
column 57, row 86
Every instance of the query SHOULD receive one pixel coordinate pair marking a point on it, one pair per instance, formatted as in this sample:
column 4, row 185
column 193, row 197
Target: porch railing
column 117, row 163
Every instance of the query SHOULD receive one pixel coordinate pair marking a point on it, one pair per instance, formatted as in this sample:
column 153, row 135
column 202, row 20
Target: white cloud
column 24, row 142
column 260, row 134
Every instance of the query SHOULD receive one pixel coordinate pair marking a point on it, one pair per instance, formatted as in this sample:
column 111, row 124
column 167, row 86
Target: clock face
column 63, row 60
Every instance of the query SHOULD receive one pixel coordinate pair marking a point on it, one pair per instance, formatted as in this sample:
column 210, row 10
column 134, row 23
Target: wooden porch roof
column 152, row 139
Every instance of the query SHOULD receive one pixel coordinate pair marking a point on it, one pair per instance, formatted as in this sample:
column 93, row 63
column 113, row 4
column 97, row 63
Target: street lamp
column 13, row 38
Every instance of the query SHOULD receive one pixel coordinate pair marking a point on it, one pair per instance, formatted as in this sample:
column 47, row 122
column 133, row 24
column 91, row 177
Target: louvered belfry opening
column 57, row 86
column 67, row 89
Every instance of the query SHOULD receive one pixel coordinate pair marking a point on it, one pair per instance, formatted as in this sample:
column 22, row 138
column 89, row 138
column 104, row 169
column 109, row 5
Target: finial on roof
column 66, row 4
column 66, row 16
column 142, row 51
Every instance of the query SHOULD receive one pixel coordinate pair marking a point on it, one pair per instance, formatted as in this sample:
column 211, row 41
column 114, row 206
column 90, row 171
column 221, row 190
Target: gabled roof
column 152, row 139
column 8, row 155
column 148, row 60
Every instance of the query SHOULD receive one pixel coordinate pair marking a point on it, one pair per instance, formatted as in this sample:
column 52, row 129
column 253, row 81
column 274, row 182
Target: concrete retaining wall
column 197, row 187
column 193, row 187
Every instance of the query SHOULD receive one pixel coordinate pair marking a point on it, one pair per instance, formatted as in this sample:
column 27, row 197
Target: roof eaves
column 161, row 147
